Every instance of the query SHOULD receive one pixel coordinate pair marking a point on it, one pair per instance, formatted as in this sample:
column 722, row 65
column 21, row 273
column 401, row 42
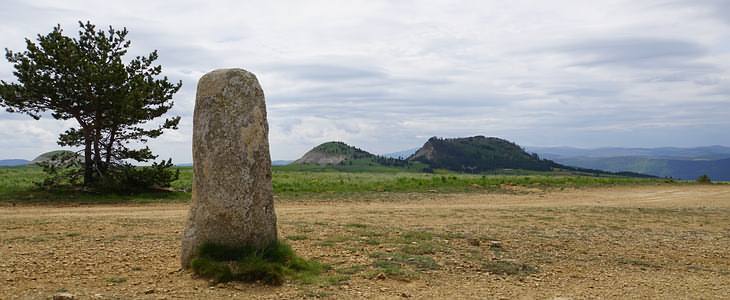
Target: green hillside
column 333, row 153
column 343, row 157
column 49, row 155
column 478, row 154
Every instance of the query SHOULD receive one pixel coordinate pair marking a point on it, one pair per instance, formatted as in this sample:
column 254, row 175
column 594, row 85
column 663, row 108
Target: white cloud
column 382, row 75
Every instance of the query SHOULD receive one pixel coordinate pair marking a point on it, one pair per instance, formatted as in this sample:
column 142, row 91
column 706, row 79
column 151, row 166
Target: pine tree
column 85, row 79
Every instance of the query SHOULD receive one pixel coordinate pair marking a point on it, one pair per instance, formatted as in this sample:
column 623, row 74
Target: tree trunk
column 88, row 160
column 97, row 152
column 110, row 145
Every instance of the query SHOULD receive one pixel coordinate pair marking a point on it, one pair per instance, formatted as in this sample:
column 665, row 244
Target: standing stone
column 232, row 200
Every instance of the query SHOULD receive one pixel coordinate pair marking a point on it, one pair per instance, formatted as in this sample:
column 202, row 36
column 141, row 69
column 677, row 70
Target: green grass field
column 17, row 184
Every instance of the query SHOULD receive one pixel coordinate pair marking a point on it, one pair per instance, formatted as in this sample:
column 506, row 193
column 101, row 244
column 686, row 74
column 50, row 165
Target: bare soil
column 669, row 242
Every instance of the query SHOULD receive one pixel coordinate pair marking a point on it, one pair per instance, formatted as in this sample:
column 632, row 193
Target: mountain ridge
column 13, row 162
column 674, row 168
column 675, row 162
column 470, row 155
column 703, row 152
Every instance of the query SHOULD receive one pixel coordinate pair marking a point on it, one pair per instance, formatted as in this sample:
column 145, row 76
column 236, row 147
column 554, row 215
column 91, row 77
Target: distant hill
column 401, row 154
column 471, row 155
column 680, row 163
column 13, row 162
column 707, row 153
column 281, row 162
column 345, row 157
column 675, row 168
column 40, row 158
column 332, row 153
column 49, row 155
column 485, row 154
column 477, row 154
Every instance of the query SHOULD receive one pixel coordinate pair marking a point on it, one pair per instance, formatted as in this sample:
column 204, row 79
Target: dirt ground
column 669, row 242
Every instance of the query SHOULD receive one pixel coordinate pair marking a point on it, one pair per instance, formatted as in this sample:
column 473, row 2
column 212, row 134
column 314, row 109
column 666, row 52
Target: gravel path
column 666, row 242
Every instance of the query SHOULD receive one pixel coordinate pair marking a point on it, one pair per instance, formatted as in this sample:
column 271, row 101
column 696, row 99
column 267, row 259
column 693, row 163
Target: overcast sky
column 387, row 75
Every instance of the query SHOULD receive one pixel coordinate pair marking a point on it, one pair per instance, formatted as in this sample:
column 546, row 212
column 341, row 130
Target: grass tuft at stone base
column 271, row 265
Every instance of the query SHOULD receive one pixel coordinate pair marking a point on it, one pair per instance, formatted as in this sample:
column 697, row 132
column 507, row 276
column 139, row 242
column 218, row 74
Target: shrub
column 127, row 178
column 65, row 170
column 704, row 179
